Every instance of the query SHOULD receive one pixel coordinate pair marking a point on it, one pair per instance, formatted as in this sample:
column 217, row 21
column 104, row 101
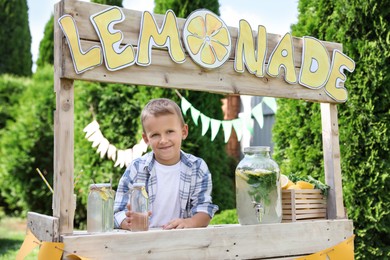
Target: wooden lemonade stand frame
column 276, row 241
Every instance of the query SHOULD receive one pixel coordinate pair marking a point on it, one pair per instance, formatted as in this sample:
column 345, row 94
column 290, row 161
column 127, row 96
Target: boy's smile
column 164, row 134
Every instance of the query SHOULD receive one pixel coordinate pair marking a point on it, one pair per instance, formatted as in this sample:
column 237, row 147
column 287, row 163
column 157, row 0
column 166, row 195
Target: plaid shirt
column 195, row 186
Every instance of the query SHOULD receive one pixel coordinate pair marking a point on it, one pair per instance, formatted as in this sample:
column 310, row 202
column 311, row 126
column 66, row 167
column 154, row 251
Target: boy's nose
column 163, row 139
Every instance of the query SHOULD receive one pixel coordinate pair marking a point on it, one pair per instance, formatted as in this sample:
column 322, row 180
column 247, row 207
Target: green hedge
column 364, row 120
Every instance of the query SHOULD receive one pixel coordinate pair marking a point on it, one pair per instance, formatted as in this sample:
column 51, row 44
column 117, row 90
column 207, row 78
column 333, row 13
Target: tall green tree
column 364, row 30
column 46, row 46
column 15, row 38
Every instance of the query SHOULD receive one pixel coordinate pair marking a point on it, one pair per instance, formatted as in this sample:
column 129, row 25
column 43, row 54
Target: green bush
column 228, row 216
column 26, row 143
column 364, row 30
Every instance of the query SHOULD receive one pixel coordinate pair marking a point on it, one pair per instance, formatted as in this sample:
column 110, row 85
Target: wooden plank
column 163, row 72
column 63, row 199
column 331, row 150
column 224, row 242
column 45, row 228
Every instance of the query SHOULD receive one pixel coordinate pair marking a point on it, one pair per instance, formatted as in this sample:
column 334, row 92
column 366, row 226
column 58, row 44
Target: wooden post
column 63, row 200
column 331, row 150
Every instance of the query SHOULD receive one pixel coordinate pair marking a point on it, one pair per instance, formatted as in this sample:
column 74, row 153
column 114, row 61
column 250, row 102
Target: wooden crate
column 299, row 205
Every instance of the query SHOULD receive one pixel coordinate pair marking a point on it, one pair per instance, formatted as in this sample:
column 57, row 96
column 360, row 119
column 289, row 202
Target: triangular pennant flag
column 30, row 242
column 120, row 161
column 343, row 250
column 195, row 114
column 111, row 152
column 237, row 125
column 205, row 123
column 271, row 103
column 91, row 128
column 51, row 250
column 248, row 123
column 215, row 124
column 185, row 105
column 103, row 147
column 227, row 129
column 257, row 113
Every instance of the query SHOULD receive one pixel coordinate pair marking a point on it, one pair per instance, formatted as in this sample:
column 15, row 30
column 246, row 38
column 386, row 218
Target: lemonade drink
column 258, row 197
column 258, row 191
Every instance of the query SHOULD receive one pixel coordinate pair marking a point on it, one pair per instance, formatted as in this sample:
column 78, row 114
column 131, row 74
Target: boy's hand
column 200, row 219
column 126, row 223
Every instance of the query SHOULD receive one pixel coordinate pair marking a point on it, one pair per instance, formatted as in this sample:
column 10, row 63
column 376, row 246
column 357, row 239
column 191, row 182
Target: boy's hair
column 160, row 106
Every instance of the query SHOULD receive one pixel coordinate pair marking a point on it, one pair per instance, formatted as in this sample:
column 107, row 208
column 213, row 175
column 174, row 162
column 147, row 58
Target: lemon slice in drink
column 144, row 193
column 242, row 175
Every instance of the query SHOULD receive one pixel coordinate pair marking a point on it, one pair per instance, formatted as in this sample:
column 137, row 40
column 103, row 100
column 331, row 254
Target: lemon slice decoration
column 207, row 39
column 144, row 193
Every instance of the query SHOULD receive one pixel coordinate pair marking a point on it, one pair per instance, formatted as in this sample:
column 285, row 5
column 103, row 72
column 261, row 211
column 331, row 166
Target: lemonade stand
column 109, row 44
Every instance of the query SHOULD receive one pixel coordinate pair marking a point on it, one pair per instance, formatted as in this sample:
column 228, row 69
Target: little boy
column 178, row 184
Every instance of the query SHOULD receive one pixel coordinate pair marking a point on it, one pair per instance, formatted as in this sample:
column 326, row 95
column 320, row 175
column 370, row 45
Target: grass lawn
column 12, row 233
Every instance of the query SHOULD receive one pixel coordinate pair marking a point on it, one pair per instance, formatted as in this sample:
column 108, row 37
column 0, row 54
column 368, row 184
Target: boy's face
column 164, row 134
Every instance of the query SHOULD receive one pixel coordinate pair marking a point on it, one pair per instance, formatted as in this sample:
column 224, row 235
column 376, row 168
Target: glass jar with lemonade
column 258, row 191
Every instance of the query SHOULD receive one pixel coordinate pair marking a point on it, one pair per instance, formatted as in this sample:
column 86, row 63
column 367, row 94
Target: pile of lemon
column 287, row 184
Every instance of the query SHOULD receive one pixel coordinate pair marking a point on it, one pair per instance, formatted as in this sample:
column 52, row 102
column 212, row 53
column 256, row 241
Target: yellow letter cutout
column 283, row 56
column 82, row 61
column 168, row 37
column 335, row 85
column 245, row 50
column 115, row 56
column 315, row 64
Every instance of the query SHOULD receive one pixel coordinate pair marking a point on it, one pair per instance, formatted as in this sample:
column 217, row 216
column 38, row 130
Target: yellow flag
column 343, row 250
column 51, row 251
column 30, row 242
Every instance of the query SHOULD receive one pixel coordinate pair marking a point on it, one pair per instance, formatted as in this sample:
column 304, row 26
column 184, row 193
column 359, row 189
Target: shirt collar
column 184, row 158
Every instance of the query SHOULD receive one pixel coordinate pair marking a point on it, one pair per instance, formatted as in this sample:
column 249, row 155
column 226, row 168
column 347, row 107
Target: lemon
column 294, row 187
column 207, row 39
column 284, row 181
column 305, row 185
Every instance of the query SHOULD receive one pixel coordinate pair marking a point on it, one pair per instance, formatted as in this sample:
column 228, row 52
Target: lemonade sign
column 208, row 43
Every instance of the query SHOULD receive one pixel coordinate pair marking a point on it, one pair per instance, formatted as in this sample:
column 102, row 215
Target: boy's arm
column 121, row 199
column 200, row 219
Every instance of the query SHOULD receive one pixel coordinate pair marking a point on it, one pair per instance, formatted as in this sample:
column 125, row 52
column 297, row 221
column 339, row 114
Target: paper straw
column 43, row 178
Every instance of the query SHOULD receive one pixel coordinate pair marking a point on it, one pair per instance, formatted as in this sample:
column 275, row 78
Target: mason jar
column 258, row 191
column 100, row 208
column 139, row 201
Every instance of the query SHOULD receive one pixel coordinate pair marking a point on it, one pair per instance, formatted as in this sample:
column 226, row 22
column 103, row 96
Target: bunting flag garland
column 215, row 125
column 120, row 157
column 237, row 125
column 205, row 123
column 227, row 129
column 257, row 112
column 195, row 115
column 244, row 121
column 185, row 105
